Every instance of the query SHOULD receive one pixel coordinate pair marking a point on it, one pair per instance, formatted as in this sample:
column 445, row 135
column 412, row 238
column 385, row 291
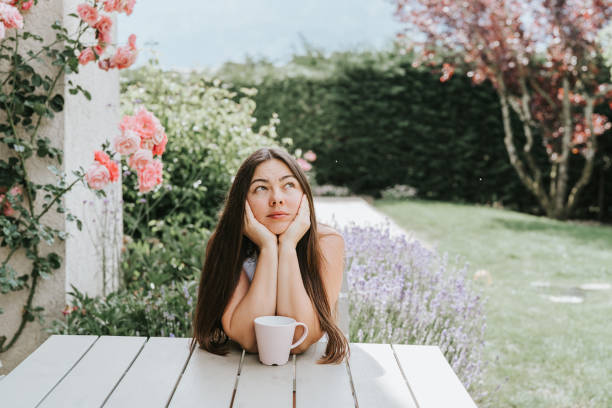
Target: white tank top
column 249, row 266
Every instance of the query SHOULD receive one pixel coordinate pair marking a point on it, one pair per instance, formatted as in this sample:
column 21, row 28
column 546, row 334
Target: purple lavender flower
column 401, row 292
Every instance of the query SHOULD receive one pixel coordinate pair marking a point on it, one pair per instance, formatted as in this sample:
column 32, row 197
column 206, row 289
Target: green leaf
column 54, row 260
column 36, row 80
column 57, row 103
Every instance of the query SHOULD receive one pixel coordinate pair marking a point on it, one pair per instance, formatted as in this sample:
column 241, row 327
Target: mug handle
column 301, row 339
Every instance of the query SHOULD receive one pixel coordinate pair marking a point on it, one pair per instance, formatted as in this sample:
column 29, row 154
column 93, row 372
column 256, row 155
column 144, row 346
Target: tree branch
column 590, row 150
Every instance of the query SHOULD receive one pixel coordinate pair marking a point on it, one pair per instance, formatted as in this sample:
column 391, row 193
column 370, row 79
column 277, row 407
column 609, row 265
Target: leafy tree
column 544, row 60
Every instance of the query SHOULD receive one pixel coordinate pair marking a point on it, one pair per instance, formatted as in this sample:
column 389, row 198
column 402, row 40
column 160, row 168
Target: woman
column 268, row 256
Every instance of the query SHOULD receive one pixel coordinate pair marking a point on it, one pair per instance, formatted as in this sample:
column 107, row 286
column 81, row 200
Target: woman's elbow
column 251, row 349
column 249, row 346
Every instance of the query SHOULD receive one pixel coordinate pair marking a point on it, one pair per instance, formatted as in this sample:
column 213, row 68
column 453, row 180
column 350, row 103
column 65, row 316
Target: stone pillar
column 79, row 129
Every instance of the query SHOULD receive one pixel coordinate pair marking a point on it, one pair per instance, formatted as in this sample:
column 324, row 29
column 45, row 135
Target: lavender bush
column 401, row 292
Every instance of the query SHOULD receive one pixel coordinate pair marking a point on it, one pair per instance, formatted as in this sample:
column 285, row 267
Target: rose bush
column 29, row 97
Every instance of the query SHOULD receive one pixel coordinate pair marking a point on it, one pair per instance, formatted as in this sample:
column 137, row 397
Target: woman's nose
column 276, row 198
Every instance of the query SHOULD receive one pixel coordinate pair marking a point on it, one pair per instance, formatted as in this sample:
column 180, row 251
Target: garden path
column 344, row 211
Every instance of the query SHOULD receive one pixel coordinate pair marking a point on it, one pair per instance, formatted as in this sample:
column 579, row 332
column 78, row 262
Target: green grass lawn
column 552, row 354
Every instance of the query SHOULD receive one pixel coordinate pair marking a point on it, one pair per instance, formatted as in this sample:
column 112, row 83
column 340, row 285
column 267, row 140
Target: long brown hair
column 228, row 248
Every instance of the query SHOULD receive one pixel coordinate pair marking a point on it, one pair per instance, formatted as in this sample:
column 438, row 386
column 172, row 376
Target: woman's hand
column 299, row 226
column 256, row 231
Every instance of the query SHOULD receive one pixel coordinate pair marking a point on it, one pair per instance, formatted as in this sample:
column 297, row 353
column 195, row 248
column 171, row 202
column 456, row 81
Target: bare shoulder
column 325, row 230
column 331, row 241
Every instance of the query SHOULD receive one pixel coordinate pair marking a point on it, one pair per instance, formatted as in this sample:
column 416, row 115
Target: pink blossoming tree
column 543, row 59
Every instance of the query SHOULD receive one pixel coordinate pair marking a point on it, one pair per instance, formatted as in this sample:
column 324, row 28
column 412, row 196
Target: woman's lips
column 278, row 216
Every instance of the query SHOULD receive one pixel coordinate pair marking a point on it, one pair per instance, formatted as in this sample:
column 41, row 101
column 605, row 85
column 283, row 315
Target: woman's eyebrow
column 267, row 181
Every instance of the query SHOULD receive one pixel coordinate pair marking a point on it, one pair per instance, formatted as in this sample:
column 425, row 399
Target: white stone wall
column 79, row 129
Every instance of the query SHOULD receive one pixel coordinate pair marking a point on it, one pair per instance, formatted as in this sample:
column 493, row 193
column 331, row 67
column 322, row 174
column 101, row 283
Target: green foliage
column 161, row 311
column 177, row 256
column 375, row 121
column 209, row 135
column 157, row 294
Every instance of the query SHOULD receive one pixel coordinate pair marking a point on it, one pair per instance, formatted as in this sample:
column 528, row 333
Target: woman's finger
column 249, row 212
column 305, row 206
column 248, row 215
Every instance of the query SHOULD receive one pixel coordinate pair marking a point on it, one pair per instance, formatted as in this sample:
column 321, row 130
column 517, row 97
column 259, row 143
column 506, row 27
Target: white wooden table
column 111, row 371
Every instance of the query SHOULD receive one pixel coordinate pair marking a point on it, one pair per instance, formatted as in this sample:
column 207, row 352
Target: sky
column 207, row 33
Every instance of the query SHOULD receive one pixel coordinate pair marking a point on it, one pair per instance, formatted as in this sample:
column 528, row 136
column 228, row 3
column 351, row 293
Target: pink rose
column 113, row 170
column 147, row 144
column 86, row 56
column 150, row 176
column 88, row 13
column 128, row 6
column 304, row 164
column 10, row 16
column 310, row 156
column 27, row 5
column 160, row 148
column 104, row 38
column 124, row 57
column 97, row 176
column 111, row 5
column 104, row 24
column 127, row 123
column 104, row 64
column 140, row 159
column 127, row 142
column 99, row 49
column 147, row 125
column 132, row 41
column 101, row 157
column 5, row 205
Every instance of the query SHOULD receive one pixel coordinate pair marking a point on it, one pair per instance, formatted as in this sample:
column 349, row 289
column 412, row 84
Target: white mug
column 274, row 335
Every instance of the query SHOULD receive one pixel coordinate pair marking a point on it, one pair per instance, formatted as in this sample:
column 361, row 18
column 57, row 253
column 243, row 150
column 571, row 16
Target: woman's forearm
column 291, row 297
column 260, row 300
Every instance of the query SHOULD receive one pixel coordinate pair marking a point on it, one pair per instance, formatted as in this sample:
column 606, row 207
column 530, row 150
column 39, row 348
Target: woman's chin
column 278, row 228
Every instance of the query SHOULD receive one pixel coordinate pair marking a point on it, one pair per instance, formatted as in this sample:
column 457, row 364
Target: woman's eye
column 258, row 187
column 290, row 184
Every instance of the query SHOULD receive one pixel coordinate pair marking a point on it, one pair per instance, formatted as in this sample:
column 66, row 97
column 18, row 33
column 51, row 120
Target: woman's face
column 274, row 195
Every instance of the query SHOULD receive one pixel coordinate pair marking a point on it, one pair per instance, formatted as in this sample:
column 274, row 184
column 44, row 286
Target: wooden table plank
column 261, row 385
column 321, row 385
column 377, row 378
column 31, row 380
column 93, row 378
column 209, row 380
column 153, row 376
column 432, row 380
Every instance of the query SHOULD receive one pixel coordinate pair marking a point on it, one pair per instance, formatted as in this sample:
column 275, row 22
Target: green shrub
column 164, row 311
column 178, row 255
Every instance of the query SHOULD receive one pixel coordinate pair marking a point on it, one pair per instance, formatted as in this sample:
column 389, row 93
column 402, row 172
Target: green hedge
column 375, row 121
